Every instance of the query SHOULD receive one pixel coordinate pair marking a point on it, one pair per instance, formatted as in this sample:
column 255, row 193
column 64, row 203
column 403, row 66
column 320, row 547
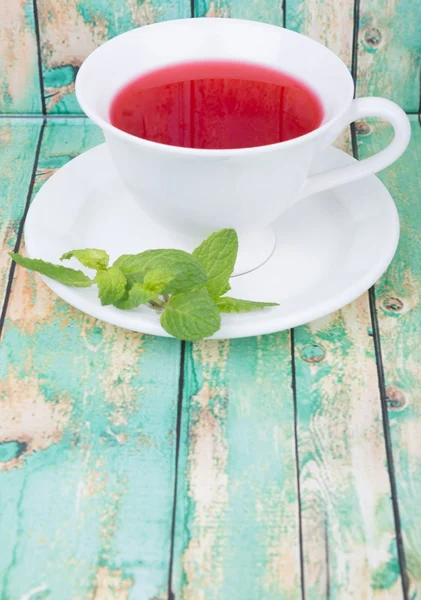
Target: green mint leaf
column 111, row 285
column 134, row 296
column 218, row 254
column 233, row 305
column 90, row 257
column 187, row 277
column 135, row 265
column 191, row 316
column 157, row 280
column 57, row 272
column 187, row 271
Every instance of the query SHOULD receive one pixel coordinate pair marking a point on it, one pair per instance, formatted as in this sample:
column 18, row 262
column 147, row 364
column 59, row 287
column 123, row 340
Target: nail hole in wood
column 392, row 304
column 395, row 398
column 362, row 129
column 313, row 353
column 373, row 37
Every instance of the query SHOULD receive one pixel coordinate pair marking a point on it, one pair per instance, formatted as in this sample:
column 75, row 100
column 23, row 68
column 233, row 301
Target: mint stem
column 158, row 304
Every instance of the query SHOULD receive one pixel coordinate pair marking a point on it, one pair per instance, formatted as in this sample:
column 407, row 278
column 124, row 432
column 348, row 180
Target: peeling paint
column 27, row 417
column 110, row 585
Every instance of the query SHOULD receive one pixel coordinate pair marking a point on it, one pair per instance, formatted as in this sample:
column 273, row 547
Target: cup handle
column 361, row 108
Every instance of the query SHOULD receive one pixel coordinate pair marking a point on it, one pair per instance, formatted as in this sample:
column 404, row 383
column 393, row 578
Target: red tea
column 216, row 105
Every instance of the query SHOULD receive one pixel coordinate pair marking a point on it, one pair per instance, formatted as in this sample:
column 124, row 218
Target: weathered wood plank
column 19, row 74
column 329, row 22
column 268, row 11
column 72, row 30
column 348, row 529
column 18, row 141
column 389, row 51
column 87, row 439
column 398, row 297
column 237, row 532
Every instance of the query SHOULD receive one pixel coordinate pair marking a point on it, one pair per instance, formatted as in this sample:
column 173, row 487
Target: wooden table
column 281, row 467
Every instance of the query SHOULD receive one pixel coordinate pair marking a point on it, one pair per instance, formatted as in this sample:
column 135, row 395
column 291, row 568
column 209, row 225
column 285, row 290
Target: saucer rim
column 136, row 321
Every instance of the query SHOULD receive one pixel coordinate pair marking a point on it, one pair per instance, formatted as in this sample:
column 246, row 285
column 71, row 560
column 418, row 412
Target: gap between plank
column 171, row 595
column 38, row 40
column 297, row 464
column 38, row 116
column 20, row 230
column 388, row 442
column 354, row 67
column 83, row 116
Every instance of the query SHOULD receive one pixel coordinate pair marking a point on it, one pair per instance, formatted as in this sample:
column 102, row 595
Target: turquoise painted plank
column 72, row 30
column 19, row 74
column 268, row 11
column 237, row 531
column 18, row 141
column 398, row 298
column 87, row 440
column 329, row 22
column 389, row 51
column 349, row 540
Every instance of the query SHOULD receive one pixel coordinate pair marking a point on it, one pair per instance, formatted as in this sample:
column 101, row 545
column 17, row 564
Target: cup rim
column 107, row 127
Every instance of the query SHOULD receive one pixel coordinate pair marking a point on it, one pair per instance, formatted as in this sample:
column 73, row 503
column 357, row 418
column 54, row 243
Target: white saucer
column 331, row 247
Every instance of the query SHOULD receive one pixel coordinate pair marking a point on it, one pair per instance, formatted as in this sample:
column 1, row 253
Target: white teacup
column 195, row 192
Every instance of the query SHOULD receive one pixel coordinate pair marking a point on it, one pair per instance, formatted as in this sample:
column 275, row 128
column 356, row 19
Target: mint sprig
column 186, row 289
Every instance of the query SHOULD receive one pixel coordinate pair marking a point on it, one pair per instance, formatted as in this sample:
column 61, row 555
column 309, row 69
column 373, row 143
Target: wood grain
column 389, row 51
column 329, row 22
column 18, row 141
column 87, row 439
column 348, row 529
column 398, row 297
column 268, row 11
column 349, row 541
column 237, row 533
column 19, row 73
column 72, row 29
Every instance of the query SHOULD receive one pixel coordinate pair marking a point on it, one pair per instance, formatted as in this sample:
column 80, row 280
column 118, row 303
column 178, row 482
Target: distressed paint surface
column 19, row 73
column 268, row 11
column 87, row 439
column 348, row 529
column 237, row 533
column 347, row 519
column 398, row 297
column 329, row 22
column 88, row 427
column 389, row 51
column 18, row 141
column 70, row 30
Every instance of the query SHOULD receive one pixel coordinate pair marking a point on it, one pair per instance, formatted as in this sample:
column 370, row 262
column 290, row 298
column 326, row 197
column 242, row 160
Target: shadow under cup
column 193, row 192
